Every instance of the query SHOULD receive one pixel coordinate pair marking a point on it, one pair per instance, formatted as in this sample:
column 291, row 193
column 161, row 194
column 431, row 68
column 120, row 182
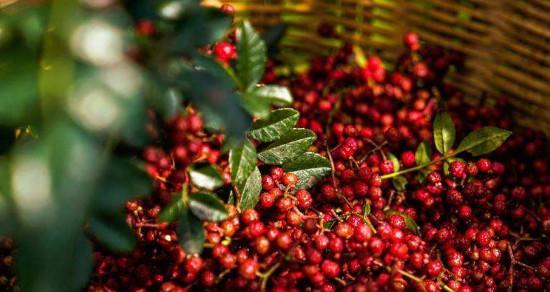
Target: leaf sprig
column 188, row 210
column 478, row 142
column 278, row 143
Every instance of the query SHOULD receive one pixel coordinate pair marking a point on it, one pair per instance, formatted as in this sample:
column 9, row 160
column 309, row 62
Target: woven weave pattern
column 506, row 42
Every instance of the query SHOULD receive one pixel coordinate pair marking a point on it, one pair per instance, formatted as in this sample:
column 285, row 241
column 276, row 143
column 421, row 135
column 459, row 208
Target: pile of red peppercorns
column 466, row 224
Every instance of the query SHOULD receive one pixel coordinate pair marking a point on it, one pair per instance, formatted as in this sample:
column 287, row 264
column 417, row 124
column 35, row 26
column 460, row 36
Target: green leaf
column 394, row 161
column 82, row 263
column 205, row 177
column 216, row 68
column 217, row 102
column 203, row 27
column 133, row 129
column 274, row 34
column 421, row 176
column 122, row 181
column 409, row 222
column 366, row 209
column 329, row 224
column 252, row 56
column 444, row 132
column 167, row 104
column 191, row 233
column 279, row 123
column 231, row 198
column 113, row 232
column 309, row 167
column 400, row 183
column 290, row 146
column 272, row 93
column 250, row 190
column 258, row 100
column 18, row 80
column 207, row 207
column 242, row 160
column 423, row 153
column 175, row 209
column 257, row 107
column 7, row 223
column 483, row 141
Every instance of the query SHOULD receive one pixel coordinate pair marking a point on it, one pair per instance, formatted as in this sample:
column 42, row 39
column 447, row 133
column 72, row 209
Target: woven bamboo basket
column 506, row 42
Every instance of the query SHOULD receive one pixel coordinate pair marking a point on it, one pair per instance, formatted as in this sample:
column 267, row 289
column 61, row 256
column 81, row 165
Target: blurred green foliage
column 68, row 72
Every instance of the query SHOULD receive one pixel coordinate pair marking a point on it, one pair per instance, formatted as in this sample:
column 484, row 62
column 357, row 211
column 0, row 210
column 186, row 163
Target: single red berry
column 267, row 200
column 256, row 229
column 277, row 173
column 248, row 269
column 421, row 70
column 225, row 51
column 330, row 269
column 484, row 165
column 227, row 9
column 386, row 167
column 262, row 245
column 324, row 106
column 193, row 264
column 284, row 204
column 344, row 230
column 284, row 241
column 458, row 168
column 433, row 177
column 483, row 238
column 268, row 183
column 376, row 245
column 396, row 221
column 145, row 28
column 336, row 245
column 362, row 232
column 433, row 268
column 465, row 212
column 408, row 158
column 228, row 260
column 412, row 41
column 208, row 278
column 290, row 180
column 304, row 199
column 249, row 216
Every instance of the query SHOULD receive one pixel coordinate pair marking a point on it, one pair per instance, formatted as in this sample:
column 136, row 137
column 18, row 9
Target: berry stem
column 410, row 276
column 511, row 270
column 185, row 193
column 265, row 277
column 233, row 76
column 418, row 167
column 447, row 288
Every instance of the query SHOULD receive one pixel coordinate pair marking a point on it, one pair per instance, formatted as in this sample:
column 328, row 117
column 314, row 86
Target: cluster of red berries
column 7, row 275
column 463, row 225
column 482, row 222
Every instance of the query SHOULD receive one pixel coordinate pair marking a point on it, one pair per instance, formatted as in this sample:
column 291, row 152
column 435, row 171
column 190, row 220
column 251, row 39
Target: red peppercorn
column 225, row 51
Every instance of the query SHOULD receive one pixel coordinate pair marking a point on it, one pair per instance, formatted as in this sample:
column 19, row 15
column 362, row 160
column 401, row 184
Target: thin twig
column 265, row 277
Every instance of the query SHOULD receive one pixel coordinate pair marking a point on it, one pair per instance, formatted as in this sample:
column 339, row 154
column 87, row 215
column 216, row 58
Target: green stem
column 265, row 277
column 418, row 167
column 233, row 76
column 367, row 220
column 185, row 193
column 447, row 288
column 410, row 276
